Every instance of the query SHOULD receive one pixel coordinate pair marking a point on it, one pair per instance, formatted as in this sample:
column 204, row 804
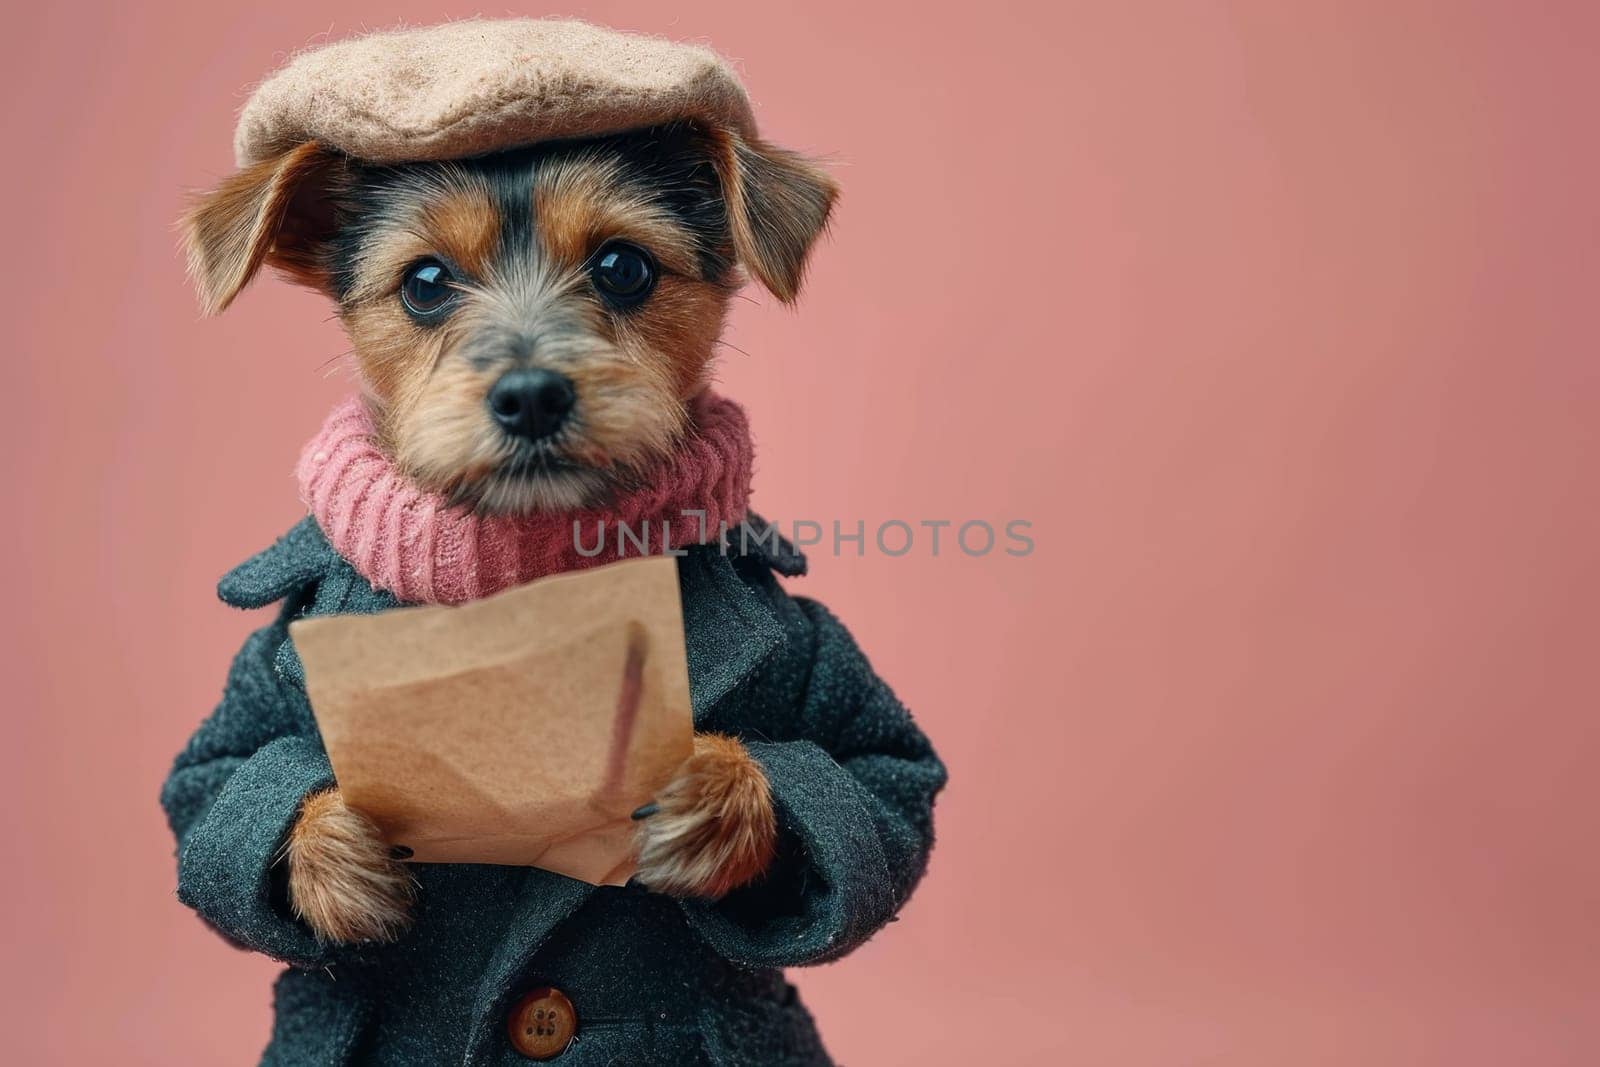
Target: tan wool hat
column 467, row 88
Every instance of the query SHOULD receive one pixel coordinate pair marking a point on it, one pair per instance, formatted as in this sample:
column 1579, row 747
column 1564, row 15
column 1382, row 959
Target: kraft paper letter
column 521, row 729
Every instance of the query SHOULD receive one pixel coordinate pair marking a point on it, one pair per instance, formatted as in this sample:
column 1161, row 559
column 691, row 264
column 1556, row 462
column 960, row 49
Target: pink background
column 1276, row 320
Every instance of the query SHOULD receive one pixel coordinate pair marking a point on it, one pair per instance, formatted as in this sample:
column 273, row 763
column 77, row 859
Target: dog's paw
column 342, row 880
column 713, row 829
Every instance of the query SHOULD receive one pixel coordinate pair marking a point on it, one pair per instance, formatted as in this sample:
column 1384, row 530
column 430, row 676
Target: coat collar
column 729, row 632
column 297, row 559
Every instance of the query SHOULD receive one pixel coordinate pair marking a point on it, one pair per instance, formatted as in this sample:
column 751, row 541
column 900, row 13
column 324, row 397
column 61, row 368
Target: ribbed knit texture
column 415, row 545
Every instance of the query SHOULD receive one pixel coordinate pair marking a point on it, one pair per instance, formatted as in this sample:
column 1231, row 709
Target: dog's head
column 529, row 326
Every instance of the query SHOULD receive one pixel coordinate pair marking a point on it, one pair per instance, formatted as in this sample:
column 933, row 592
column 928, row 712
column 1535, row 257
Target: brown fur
column 779, row 202
column 231, row 231
column 342, row 881
column 632, row 371
column 581, row 203
column 466, row 227
column 645, row 365
column 714, row 829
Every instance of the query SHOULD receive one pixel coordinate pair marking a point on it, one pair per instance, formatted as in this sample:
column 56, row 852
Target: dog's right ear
column 274, row 211
column 778, row 204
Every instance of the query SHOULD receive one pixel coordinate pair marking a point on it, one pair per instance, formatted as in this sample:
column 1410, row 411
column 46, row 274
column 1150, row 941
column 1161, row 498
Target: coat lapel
column 729, row 632
column 543, row 901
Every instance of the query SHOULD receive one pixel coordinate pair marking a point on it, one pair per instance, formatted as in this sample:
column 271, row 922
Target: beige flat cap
column 466, row 88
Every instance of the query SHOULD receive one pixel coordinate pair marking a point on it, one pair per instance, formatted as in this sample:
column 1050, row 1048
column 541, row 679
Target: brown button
column 542, row 1024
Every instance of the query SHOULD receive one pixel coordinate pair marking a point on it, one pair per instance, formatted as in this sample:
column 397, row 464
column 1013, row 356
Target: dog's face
column 531, row 325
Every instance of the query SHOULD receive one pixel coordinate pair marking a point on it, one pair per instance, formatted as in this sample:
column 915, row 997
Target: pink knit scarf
column 416, row 546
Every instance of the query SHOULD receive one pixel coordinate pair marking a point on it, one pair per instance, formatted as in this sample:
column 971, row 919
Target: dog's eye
column 426, row 289
column 623, row 274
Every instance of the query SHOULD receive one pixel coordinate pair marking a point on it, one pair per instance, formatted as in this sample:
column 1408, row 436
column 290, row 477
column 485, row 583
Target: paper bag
column 520, row 729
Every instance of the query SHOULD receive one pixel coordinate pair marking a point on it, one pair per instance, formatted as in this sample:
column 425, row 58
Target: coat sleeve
column 232, row 796
column 854, row 802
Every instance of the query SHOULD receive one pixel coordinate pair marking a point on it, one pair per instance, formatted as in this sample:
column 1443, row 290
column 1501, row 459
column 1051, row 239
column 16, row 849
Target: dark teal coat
column 654, row 980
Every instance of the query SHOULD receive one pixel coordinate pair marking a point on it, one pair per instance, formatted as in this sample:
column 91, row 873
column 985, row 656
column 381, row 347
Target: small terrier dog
column 529, row 327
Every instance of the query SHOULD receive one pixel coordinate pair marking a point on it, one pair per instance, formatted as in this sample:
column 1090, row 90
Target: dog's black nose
column 531, row 404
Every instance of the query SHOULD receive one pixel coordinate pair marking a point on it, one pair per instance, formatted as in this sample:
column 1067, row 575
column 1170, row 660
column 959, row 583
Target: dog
column 529, row 328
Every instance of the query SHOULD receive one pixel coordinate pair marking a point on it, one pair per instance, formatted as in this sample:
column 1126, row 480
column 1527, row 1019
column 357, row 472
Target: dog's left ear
column 276, row 211
column 778, row 205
